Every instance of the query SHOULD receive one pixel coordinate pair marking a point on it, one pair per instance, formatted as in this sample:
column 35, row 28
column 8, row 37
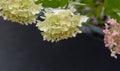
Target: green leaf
column 89, row 3
column 112, row 9
column 99, row 10
column 38, row 1
column 52, row 3
column 63, row 2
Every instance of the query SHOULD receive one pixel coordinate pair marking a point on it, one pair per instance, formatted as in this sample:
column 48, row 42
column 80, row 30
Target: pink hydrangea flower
column 112, row 37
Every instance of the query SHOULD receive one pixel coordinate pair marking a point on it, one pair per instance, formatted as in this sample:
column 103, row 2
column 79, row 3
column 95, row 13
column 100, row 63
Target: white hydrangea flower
column 60, row 24
column 23, row 12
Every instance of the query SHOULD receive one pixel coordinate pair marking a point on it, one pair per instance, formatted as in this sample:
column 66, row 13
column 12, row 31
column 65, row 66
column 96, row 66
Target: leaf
column 112, row 9
column 90, row 3
column 38, row 1
column 99, row 10
column 63, row 3
column 52, row 3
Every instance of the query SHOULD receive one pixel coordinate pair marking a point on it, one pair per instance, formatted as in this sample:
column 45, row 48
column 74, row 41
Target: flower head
column 112, row 37
column 23, row 12
column 60, row 24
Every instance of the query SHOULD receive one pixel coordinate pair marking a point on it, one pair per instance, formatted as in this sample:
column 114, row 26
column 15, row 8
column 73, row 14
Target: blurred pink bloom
column 112, row 37
column 112, row 21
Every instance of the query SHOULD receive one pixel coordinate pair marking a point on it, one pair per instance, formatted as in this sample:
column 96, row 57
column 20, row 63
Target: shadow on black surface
column 23, row 49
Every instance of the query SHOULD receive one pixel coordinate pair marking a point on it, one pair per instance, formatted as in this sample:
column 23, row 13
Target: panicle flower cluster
column 23, row 12
column 60, row 24
column 112, row 36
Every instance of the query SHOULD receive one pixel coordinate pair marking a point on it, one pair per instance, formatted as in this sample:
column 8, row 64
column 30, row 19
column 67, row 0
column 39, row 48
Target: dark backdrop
column 22, row 49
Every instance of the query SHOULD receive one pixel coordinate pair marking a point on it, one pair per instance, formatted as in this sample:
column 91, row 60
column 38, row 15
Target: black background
column 23, row 49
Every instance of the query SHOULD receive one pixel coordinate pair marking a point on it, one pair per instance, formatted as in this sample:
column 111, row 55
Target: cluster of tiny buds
column 112, row 36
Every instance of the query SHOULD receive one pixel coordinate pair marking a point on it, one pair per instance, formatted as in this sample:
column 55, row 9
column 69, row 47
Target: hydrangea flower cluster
column 60, row 24
column 23, row 12
column 112, row 37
